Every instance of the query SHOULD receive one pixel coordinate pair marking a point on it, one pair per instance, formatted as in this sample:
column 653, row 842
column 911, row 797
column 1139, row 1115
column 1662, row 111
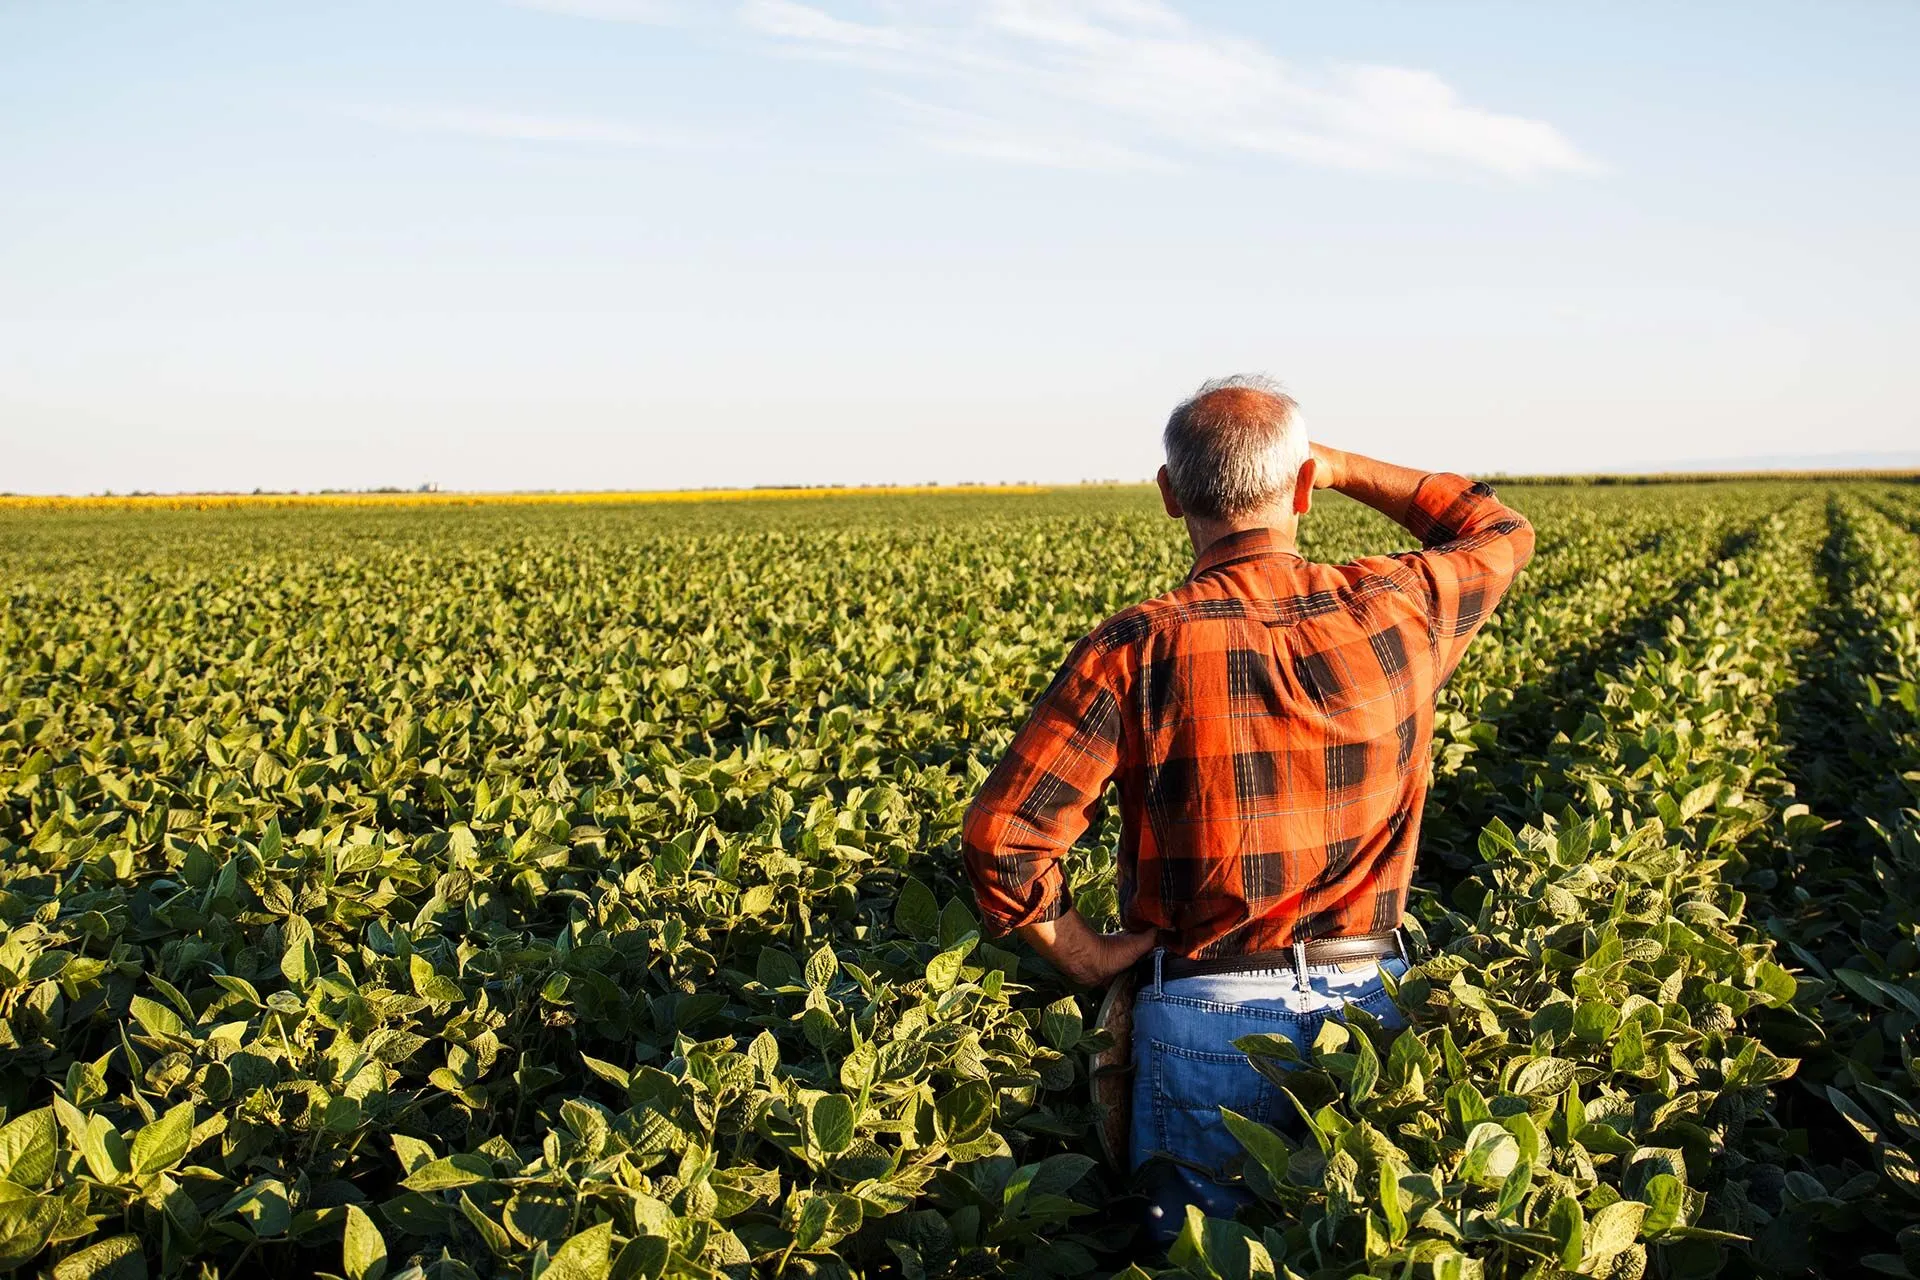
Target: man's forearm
column 1070, row 945
column 1387, row 488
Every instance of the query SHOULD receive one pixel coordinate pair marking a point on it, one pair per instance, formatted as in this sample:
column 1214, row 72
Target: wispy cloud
column 1084, row 84
column 788, row 20
column 1127, row 83
column 517, row 126
column 964, row 133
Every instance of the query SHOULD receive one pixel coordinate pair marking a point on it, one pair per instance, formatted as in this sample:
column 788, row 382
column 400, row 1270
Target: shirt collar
column 1246, row 544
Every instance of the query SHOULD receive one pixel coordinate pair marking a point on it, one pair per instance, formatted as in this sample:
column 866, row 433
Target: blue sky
column 658, row 243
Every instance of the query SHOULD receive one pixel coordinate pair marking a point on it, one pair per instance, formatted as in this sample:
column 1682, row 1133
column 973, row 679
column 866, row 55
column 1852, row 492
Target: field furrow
column 1847, row 903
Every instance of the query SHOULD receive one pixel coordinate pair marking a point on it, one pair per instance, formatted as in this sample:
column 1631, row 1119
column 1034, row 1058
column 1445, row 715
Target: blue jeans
column 1185, row 1069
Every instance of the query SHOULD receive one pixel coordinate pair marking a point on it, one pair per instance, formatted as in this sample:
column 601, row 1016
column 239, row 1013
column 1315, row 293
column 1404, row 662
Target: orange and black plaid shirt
column 1268, row 725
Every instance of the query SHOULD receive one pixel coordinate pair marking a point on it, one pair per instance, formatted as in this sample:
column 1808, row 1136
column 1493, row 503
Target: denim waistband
column 1324, row 976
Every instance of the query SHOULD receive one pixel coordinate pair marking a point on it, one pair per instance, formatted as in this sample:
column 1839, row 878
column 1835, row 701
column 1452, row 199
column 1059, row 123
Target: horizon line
column 432, row 495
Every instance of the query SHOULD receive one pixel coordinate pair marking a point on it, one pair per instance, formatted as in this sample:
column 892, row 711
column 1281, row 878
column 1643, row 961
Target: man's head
column 1237, row 455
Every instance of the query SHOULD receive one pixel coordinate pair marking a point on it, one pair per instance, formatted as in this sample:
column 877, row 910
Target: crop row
column 1847, row 906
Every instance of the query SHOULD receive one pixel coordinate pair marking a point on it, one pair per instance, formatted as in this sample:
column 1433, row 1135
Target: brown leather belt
column 1360, row 947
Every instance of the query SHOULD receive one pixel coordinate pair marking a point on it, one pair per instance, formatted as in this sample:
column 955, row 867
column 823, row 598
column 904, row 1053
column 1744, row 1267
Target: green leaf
column 491, row 1233
column 1261, row 1142
column 775, row 968
column 165, row 1142
column 1629, row 1055
column 944, row 969
column 1614, row 1228
column 411, row 1151
column 1775, row 983
column 613, row 1075
column 535, row 1214
column 1594, row 1020
column 1538, row 1077
column 1526, row 1134
column 831, row 1120
column 822, row 965
column 1392, row 1202
column 764, row 1053
column 1699, row 800
column 1567, row 1225
column 811, row 1222
column 28, row 1146
column 1265, row 1045
column 1854, row 1114
column 956, row 923
column 858, row 1067
column 1491, row 1154
column 916, row 914
column 1450, row 1054
column 156, row 1019
column 1366, row 1069
column 363, row 1250
column 25, row 1224
column 1514, row 1189
column 1059, row 1174
column 99, row 1143
column 1466, row 1106
column 1060, row 1024
column 263, row 1206
column 115, row 1258
column 1666, row 1204
column 584, row 1257
column 965, row 1112
column 297, row 963
column 1189, row 1249
column 449, row 1173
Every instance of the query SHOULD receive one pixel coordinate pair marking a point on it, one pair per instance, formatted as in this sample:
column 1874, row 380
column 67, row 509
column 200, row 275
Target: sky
column 595, row 244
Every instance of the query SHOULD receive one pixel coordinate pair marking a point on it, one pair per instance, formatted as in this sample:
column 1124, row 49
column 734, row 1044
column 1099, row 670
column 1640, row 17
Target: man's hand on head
column 1082, row 956
column 1328, row 465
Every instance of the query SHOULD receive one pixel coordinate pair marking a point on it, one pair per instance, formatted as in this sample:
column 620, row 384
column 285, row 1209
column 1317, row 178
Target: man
column 1268, row 724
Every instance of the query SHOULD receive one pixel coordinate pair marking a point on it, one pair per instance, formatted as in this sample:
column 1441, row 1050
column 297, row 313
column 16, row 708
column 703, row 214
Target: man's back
column 1267, row 724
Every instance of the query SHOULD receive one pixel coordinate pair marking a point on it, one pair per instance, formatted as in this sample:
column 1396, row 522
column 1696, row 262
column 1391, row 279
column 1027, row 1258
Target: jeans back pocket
column 1189, row 1088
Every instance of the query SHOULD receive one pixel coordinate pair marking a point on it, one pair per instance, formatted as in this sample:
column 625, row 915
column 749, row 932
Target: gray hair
column 1234, row 446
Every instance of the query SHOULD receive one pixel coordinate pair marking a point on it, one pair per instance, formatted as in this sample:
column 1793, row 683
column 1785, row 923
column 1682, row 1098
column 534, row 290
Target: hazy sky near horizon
column 662, row 243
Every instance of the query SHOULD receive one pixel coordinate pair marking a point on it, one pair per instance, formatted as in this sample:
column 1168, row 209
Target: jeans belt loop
column 1159, row 953
column 1300, row 965
column 1400, row 940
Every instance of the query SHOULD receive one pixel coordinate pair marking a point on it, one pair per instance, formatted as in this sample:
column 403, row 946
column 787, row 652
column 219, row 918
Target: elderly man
column 1267, row 723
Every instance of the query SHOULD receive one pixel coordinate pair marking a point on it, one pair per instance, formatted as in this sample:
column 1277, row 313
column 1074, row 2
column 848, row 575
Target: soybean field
column 572, row 891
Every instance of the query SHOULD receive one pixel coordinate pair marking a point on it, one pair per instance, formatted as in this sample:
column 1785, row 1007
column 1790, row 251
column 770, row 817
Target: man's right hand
column 1328, row 464
column 1386, row 488
column 1083, row 957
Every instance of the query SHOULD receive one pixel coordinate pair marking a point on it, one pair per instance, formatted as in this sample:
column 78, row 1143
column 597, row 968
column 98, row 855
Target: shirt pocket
column 1189, row 1088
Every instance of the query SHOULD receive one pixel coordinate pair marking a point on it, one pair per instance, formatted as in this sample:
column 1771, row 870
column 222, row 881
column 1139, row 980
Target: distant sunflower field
column 397, row 886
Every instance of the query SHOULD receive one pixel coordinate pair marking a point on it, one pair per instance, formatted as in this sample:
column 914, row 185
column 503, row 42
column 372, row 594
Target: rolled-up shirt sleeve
column 1040, row 797
column 1472, row 548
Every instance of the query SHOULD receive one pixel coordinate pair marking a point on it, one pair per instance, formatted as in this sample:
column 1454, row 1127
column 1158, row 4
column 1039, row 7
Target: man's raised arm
column 1473, row 545
column 1035, row 804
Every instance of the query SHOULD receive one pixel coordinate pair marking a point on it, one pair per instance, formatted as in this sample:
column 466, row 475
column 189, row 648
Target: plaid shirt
column 1268, row 724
